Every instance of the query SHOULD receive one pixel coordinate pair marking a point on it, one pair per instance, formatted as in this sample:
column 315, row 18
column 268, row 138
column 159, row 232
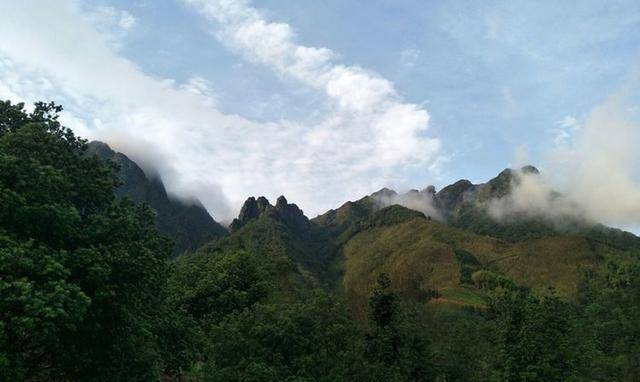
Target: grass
column 420, row 258
column 464, row 296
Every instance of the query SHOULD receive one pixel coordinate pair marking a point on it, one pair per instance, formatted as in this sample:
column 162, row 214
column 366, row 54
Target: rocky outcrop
column 253, row 208
column 291, row 215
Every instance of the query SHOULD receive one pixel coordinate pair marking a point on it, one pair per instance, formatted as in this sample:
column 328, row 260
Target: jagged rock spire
column 253, row 208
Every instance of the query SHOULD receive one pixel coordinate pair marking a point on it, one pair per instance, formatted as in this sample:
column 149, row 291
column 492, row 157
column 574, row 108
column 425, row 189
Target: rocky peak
column 502, row 184
column 253, row 208
column 291, row 214
column 100, row 149
column 384, row 193
column 250, row 210
column 281, row 203
column 451, row 196
column 262, row 204
column 430, row 190
column 499, row 186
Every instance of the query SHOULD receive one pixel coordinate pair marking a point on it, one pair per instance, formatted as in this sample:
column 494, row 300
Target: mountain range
column 440, row 247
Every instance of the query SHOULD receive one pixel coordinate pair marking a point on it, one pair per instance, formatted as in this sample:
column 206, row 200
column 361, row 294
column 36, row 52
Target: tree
column 210, row 287
column 609, row 300
column 396, row 345
column 533, row 337
column 80, row 273
column 312, row 340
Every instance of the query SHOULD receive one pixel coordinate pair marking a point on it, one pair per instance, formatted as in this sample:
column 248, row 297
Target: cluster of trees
column 87, row 293
column 82, row 275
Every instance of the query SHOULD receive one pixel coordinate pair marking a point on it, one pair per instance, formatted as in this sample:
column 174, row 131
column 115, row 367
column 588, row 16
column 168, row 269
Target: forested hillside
column 91, row 290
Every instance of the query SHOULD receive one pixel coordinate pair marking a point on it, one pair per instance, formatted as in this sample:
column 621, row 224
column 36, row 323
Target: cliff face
column 189, row 225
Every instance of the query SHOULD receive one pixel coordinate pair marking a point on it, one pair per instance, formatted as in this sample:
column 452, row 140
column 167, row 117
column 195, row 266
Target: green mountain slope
column 435, row 261
column 281, row 233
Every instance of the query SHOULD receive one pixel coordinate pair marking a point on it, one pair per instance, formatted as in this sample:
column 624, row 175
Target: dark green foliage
column 211, row 287
column 468, row 265
column 614, row 238
column 204, row 289
column 80, row 274
column 610, row 302
column 461, row 344
column 533, row 338
column 302, row 341
column 337, row 221
column 488, row 280
column 383, row 303
column 475, row 219
column 387, row 216
column 39, row 305
column 397, row 338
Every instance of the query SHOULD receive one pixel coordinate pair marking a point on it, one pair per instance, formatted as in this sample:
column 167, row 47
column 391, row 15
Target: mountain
column 275, row 230
column 188, row 224
column 435, row 246
column 441, row 260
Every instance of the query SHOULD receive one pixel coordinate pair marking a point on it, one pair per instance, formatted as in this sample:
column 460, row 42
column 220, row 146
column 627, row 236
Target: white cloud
column 360, row 96
column 367, row 135
column 112, row 23
column 127, row 21
column 598, row 174
column 601, row 169
column 534, row 196
column 565, row 130
column 200, row 86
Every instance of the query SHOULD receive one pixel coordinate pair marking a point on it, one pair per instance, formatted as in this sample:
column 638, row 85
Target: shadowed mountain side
column 189, row 225
column 282, row 232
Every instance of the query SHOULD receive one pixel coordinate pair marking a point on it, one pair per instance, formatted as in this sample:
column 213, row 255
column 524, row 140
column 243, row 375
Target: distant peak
column 262, row 204
column 431, row 190
column 250, row 210
column 507, row 172
column 98, row 144
column 529, row 169
column 100, row 149
column 384, row 192
column 253, row 208
column 281, row 201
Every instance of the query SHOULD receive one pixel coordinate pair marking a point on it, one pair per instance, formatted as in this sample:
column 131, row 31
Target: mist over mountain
column 186, row 222
column 516, row 203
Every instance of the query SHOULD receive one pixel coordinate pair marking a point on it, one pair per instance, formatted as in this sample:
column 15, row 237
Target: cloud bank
column 423, row 201
column 595, row 166
column 533, row 196
column 600, row 171
column 365, row 136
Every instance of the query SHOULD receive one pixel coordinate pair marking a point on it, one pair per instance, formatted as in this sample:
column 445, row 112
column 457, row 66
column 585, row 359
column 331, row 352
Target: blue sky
column 492, row 75
column 467, row 84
